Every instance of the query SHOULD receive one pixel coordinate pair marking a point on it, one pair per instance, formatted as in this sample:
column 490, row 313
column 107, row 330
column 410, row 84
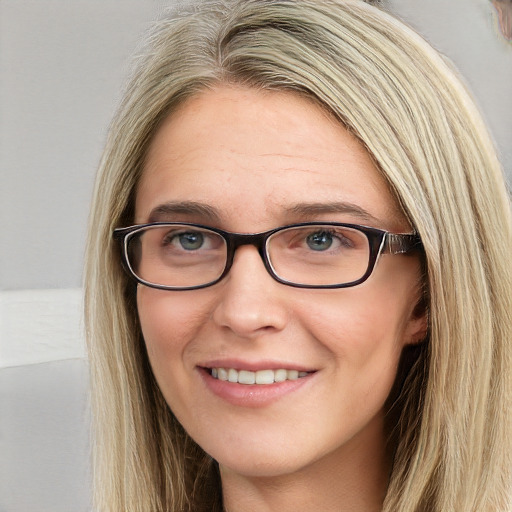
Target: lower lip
column 252, row 395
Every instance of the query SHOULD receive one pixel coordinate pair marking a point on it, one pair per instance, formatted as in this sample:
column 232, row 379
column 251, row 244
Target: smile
column 258, row 377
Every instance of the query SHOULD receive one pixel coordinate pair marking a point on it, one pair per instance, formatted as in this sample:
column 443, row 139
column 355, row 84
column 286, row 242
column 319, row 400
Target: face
column 251, row 161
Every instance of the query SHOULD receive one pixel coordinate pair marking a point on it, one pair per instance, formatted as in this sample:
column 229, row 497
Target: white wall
column 62, row 64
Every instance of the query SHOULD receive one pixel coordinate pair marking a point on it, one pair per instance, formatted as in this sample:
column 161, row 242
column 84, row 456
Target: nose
column 251, row 302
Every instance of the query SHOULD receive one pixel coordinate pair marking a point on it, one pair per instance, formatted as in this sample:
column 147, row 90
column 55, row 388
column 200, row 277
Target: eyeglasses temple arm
column 402, row 243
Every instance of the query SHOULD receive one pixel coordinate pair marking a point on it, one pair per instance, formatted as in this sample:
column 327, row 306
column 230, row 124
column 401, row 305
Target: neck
column 353, row 478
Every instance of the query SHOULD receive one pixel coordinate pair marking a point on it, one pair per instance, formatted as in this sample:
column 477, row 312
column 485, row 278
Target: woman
column 314, row 307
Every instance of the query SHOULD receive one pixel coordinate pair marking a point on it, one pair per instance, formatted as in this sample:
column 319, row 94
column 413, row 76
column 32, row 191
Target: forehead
column 257, row 153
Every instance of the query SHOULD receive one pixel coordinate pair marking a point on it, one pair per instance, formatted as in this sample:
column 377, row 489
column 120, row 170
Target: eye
column 319, row 241
column 190, row 241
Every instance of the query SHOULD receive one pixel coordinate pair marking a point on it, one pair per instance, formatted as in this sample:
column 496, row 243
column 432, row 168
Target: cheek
column 364, row 329
column 168, row 322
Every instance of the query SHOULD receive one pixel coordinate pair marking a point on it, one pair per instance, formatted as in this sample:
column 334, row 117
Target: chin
column 260, row 458
column 262, row 466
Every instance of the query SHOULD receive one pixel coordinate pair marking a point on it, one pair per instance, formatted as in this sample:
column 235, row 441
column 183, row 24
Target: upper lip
column 255, row 366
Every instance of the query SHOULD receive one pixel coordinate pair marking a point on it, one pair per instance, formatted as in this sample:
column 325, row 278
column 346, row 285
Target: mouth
column 263, row 377
column 255, row 384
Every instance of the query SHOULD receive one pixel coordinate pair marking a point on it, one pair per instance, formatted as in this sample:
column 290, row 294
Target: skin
column 251, row 156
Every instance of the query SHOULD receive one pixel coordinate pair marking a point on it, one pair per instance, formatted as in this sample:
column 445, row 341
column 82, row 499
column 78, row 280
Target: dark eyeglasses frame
column 380, row 241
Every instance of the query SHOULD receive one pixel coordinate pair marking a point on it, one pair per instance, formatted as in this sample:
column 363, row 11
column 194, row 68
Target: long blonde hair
column 406, row 105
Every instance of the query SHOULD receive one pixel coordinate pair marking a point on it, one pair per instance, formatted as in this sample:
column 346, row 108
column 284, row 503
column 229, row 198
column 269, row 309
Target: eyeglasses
column 185, row 256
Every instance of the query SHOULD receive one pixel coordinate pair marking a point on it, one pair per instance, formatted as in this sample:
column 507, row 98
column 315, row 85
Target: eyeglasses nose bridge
column 236, row 240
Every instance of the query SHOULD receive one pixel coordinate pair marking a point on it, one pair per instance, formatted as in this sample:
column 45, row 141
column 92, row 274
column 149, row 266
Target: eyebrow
column 303, row 211
column 189, row 208
column 307, row 210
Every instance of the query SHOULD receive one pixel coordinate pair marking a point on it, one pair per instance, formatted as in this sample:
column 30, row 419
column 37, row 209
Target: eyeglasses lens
column 177, row 256
column 319, row 255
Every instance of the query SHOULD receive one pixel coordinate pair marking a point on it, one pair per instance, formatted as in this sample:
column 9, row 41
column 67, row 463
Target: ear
column 417, row 328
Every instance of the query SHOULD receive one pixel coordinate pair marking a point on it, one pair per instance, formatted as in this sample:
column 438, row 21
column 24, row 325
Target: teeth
column 280, row 375
column 245, row 377
column 259, row 377
column 264, row 376
column 292, row 374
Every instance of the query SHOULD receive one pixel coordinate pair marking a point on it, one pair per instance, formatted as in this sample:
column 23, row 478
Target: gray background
column 62, row 65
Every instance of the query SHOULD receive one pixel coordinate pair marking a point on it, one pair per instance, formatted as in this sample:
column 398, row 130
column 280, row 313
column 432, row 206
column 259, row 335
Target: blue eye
column 320, row 241
column 191, row 241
